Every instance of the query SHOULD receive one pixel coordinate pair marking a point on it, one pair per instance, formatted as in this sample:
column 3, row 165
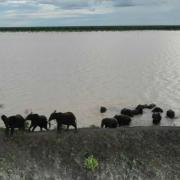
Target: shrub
column 91, row 163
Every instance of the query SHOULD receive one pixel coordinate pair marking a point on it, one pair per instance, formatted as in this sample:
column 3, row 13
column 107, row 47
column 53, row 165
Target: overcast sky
column 89, row 12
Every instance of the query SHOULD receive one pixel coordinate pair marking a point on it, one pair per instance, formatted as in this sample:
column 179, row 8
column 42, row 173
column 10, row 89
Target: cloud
column 89, row 11
column 47, row 9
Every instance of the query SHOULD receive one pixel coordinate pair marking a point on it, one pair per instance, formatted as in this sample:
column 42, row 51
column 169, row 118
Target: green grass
column 91, row 163
column 89, row 28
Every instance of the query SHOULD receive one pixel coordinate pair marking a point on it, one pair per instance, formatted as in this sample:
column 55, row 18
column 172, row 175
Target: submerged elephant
column 67, row 118
column 145, row 106
column 109, row 123
column 37, row 120
column 123, row 120
column 13, row 122
column 150, row 106
column 103, row 109
column 137, row 111
column 157, row 109
column 127, row 112
column 156, row 118
column 170, row 114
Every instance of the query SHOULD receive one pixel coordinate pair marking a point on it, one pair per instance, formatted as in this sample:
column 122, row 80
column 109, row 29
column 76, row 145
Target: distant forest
column 89, row 28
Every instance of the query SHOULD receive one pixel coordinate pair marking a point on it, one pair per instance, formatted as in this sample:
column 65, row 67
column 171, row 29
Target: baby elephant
column 123, row 120
column 109, row 123
column 170, row 114
column 37, row 120
column 13, row 122
column 156, row 118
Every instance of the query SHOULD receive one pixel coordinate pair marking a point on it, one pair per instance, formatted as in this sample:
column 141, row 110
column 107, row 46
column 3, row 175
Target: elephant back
column 16, row 121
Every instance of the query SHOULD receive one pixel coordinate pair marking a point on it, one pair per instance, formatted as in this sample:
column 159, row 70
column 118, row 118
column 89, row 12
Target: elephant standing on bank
column 67, row 118
column 13, row 122
column 37, row 120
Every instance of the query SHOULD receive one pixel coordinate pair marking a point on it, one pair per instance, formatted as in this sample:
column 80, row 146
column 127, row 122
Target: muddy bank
column 123, row 153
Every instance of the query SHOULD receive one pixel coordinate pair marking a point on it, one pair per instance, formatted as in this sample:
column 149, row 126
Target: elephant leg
column 59, row 127
column 21, row 129
column 24, row 128
column 102, row 125
column 7, row 132
column 75, row 126
column 34, row 128
column 67, row 128
column 46, row 128
column 30, row 128
column 12, row 131
column 41, row 129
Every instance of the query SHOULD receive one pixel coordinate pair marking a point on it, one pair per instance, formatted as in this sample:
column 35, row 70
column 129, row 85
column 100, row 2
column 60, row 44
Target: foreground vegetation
column 92, row 154
column 90, row 28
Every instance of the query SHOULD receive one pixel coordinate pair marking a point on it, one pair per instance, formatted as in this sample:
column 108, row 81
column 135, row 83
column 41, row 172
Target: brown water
column 81, row 71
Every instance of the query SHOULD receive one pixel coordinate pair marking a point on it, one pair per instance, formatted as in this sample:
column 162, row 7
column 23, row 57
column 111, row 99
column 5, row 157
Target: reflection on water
column 81, row 71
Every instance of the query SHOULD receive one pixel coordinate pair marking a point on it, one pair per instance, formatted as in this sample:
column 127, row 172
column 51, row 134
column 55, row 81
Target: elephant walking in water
column 13, row 122
column 67, row 118
column 156, row 118
column 109, row 123
column 123, row 120
column 170, row 114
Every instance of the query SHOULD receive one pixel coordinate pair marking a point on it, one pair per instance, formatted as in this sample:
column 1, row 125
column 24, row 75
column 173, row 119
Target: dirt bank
column 123, row 153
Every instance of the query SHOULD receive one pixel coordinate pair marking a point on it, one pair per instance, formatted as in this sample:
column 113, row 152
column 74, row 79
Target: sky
column 88, row 12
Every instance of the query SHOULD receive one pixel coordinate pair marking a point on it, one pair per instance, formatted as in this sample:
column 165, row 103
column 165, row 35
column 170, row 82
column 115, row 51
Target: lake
column 81, row 71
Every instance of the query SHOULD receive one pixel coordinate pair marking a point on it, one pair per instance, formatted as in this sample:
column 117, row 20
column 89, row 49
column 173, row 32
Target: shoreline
column 90, row 28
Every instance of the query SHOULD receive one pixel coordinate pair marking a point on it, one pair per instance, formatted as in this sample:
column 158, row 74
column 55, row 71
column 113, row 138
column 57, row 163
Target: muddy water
column 80, row 71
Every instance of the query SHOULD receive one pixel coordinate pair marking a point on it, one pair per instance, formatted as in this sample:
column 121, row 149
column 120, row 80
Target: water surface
column 80, row 71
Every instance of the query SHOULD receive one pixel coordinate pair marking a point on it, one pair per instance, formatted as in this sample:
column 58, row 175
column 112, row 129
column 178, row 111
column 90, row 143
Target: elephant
column 157, row 109
column 67, row 118
column 145, row 106
column 150, row 106
column 12, row 122
column 103, row 109
column 140, row 106
column 109, row 123
column 127, row 112
column 170, row 114
column 37, row 120
column 137, row 111
column 156, row 118
column 123, row 120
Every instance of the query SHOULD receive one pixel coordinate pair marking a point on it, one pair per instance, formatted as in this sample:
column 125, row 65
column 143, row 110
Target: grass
column 89, row 28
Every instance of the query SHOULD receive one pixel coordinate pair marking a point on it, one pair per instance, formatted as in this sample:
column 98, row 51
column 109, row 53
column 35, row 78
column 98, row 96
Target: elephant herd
column 126, row 115
column 19, row 122
column 68, row 118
